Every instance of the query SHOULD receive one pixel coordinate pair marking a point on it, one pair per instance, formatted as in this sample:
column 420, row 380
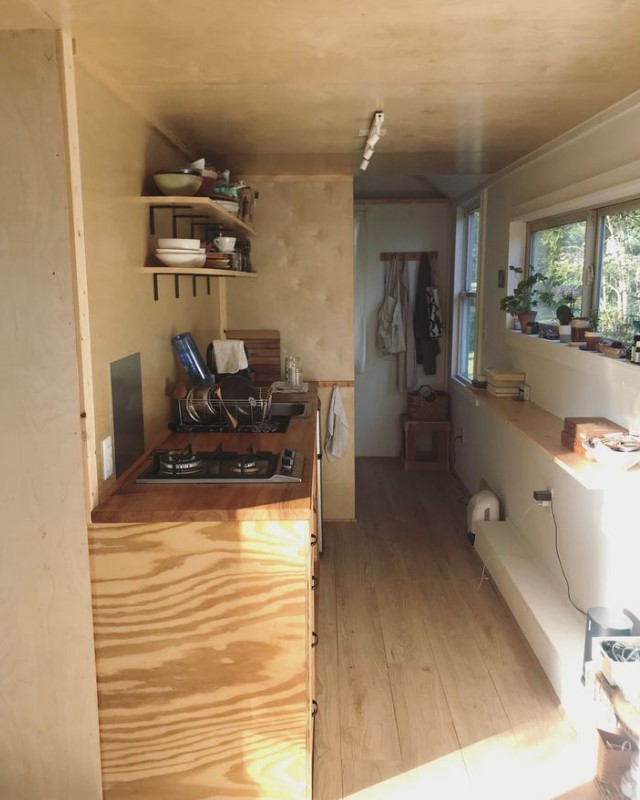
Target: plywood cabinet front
column 202, row 636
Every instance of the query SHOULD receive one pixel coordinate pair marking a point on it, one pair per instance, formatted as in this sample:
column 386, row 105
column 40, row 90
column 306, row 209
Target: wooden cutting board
column 263, row 353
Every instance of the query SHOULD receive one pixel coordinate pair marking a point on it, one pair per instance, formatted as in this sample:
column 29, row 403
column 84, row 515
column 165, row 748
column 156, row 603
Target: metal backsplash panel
column 126, row 401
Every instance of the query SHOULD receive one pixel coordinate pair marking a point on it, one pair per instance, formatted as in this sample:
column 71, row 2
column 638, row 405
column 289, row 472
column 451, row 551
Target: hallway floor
column 426, row 687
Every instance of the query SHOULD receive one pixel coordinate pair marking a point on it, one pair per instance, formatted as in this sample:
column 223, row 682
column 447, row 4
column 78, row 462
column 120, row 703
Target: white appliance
column 483, row 506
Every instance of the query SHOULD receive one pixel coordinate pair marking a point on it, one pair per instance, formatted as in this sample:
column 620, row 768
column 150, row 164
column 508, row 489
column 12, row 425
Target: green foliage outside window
column 558, row 253
column 619, row 291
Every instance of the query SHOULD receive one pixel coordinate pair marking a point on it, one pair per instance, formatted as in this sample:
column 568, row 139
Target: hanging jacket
column 426, row 318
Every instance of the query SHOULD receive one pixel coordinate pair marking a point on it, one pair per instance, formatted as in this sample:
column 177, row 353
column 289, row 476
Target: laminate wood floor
column 426, row 687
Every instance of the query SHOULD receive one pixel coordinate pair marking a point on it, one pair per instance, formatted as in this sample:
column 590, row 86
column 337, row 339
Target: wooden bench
column 438, row 456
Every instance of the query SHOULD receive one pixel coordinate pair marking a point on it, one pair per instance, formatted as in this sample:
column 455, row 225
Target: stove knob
column 288, row 453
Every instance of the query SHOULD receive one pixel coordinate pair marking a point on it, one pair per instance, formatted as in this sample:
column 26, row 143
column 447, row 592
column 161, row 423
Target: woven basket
column 427, row 404
column 611, row 352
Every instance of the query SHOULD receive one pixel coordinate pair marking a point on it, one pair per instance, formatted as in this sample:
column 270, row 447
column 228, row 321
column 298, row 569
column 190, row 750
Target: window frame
column 546, row 223
column 464, row 292
column 592, row 267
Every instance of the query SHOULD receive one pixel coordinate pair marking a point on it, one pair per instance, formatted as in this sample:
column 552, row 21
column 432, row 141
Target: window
column 618, row 286
column 467, row 322
column 558, row 252
column 564, row 250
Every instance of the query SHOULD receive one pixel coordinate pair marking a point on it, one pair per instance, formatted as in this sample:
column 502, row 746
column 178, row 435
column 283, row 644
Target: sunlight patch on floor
column 497, row 768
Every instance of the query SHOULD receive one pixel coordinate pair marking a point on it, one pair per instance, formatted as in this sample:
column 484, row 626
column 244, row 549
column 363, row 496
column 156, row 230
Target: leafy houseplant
column 523, row 301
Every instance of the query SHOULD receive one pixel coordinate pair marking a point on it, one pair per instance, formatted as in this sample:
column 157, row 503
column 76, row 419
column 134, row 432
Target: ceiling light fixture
column 374, row 136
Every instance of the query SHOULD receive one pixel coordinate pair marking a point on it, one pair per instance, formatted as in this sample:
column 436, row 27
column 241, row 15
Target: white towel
column 337, row 438
column 229, row 355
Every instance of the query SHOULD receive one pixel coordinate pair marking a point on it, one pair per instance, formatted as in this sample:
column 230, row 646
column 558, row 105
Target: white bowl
column 182, row 259
column 178, row 244
column 182, row 251
column 617, row 450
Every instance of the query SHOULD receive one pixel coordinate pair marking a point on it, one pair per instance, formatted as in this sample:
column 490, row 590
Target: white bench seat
column 553, row 628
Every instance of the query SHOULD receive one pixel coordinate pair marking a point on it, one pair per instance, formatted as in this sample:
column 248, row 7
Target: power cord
column 564, row 574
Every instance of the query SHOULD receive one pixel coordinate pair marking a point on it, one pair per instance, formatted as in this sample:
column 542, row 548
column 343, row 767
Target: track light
column 373, row 139
column 375, row 133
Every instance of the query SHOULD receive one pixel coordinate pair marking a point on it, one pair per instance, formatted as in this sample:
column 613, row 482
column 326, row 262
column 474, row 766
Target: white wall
column 389, row 227
column 597, row 528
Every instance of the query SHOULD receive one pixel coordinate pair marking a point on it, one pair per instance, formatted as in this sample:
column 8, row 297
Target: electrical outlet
column 543, row 497
column 107, row 458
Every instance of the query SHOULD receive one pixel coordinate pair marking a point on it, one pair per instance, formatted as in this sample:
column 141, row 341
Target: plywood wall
column 48, row 713
column 304, row 257
column 119, row 152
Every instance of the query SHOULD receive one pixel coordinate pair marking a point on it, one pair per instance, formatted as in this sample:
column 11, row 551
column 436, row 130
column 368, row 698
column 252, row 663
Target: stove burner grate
column 178, row 462
column 220, row 466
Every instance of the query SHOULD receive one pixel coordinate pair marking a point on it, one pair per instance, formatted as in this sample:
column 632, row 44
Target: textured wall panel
column 304, row 256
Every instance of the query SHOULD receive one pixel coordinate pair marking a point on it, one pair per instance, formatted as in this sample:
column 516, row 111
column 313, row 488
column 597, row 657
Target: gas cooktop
column 221, row 466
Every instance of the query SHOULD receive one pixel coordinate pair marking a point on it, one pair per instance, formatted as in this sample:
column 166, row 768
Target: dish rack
column 202, row 407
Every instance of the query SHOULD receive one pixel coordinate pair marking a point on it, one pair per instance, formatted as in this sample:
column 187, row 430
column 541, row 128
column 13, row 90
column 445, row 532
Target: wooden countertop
column 134, row 502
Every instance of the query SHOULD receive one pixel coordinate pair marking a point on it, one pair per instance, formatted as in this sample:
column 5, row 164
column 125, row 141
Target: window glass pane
column 468, row 336
column 619, row 292
column 473, row 221
column 558, row 253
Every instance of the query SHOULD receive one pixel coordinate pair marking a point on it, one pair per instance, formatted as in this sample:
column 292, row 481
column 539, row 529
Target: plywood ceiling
column 467, row 86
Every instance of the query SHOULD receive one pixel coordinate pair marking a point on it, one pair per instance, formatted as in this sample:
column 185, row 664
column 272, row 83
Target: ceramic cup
column 225, row 244
column 592, row 339
column 578, row 328
column 564, row 332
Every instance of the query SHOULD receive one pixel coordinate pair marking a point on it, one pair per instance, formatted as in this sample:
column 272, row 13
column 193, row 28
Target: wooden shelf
column 201, row 206
column 197, row 271
column 542, row 429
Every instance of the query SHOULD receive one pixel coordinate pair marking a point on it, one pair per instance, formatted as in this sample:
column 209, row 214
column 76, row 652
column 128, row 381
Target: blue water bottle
column 191, row 359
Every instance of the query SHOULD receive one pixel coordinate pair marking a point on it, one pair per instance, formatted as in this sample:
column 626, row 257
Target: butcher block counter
column 135, row 502
column 203, row 622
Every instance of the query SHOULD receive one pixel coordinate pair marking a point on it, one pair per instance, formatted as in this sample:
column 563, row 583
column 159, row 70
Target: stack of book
column 502, row 383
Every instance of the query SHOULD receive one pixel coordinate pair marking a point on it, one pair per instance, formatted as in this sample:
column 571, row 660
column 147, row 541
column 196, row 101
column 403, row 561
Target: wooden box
column 578, row 429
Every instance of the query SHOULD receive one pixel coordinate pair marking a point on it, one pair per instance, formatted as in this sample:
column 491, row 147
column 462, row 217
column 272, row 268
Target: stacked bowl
column 185, row 253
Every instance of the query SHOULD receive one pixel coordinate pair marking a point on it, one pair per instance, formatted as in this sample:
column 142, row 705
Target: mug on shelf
column 578, row 329
column 225, row 244
column 564, row 332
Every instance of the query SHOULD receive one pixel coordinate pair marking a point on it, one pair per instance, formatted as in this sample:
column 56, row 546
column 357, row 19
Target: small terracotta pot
column 525, row 317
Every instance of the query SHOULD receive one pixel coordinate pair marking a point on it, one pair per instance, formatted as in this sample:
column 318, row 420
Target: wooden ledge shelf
column 199, row 207
column 197, row 271
column 194, row 273
column 543, row 430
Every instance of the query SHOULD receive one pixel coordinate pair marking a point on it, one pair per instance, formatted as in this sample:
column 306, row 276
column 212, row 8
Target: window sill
column 611, row 370
column 542, row 430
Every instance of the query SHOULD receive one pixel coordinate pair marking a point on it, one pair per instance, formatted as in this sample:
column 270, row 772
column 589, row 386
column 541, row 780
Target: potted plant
column 523, row 301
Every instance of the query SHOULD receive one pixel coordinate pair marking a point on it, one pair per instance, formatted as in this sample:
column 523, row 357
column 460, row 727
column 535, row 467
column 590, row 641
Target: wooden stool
column 438, row 458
